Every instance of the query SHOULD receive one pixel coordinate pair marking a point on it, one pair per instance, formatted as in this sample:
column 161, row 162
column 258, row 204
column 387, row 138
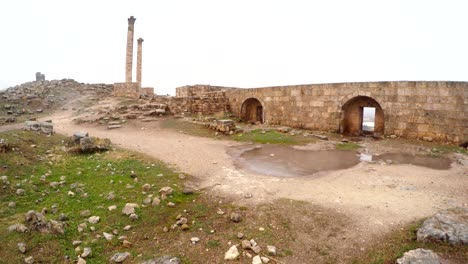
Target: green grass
column 272, row 137
column 188, row 128
column 394, row 245
column 348, row 146
column 96, row 175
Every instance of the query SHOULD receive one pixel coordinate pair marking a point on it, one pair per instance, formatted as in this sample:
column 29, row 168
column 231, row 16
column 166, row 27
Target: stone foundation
column 130, row 90
column 147, row 91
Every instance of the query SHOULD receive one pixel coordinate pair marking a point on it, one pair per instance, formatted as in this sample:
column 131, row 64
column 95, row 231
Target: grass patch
column 348, row 146
column 271, row 137
column 188, row 128
column 394, row 245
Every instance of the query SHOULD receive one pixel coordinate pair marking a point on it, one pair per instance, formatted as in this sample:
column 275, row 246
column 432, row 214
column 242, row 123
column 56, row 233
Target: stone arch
column 252, row 110
column 352, row 115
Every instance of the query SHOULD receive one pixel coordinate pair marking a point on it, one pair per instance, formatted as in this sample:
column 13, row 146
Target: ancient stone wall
column 130, row 90
column 147, row 91
column 410, row 109
column 199, row 90
column 207, row 105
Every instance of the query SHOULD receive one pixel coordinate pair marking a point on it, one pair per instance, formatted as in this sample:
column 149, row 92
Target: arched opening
column 362, row 115
column 252, row 111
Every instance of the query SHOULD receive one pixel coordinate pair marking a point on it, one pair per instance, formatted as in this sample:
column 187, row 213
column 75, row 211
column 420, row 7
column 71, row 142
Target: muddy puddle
column 285, row 161
column 437, row 163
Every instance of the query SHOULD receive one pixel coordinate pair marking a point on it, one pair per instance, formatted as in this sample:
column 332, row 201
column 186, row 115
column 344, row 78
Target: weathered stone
column 449, row 226
column 271, row 250
column 245, row 244
column 422, row 256
column 29, row 260
column 94, row 219
column 232, row 253
column 22, row 247
column 155, row 201
column 235, row 217
column 129, row 208
column 256, row 260
column 120, row 257
column 86, row 252
column 77, row 136
column 20, row 228
column 163, row 260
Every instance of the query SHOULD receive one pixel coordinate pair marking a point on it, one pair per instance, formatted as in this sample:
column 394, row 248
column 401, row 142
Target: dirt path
column 379, row 196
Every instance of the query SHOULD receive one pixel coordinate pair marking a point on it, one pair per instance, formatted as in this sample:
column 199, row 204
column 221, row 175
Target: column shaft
column 139, row 59
column 129, row 57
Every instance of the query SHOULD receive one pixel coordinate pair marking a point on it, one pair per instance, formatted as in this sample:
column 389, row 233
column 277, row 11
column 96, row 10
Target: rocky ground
column 369, row 213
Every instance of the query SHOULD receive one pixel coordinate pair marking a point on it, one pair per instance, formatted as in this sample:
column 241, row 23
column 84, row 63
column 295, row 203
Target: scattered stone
column 321, row 137
column 114, row 126
column 147, row 200
column 428, row 139
column 449, row 226
column 85, row 213
column 256, row 249
column 133, row 217
column 271, row 250
column 94, row 219
column 94, row 144
column 265, row 259
column 12, row 204
column 194, row 240
column 110, row 196
column 22, row 247
column 120, row 257
column 43, row 127
column 240, row 235
column 108, row 236
column 79, row 135
column 235, row 217
column 185, row 227
column 29, row 260
column 257, row 260
column 146, row 187
column 188, row 190
column 165, row 191
column 129, row 208
column 86, row 252
column 163, row 260
column 76, row 242
column 127, row 227
column 423, row 256
column 182, row 176
column 112, row 207
column 232, row 253
column 245, row 244
column 63, row 217
column 155, row 201
column 20, row 192
column 171, row 204
column 126, row 243
column 81, row 261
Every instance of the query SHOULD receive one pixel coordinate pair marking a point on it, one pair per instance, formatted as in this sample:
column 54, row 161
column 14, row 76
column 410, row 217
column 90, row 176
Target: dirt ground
column 375, row 198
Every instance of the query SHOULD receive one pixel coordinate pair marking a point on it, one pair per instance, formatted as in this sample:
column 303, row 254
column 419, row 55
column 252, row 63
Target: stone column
column 139, row 58
column 129, row 59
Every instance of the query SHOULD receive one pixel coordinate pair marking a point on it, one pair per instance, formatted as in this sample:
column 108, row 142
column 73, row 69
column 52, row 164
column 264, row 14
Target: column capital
column 140, row 40
column 131, row 20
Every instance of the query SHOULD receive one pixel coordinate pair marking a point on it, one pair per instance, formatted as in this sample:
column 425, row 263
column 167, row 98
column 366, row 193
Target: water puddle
column 286, row 161
column 437, row 163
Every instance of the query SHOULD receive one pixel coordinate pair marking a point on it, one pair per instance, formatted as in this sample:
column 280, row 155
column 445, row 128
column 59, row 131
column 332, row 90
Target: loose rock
column 423, row 256
column 22, row 247
column 232, row 253
column 120, row 257
column 163, row 260
column 449, row 226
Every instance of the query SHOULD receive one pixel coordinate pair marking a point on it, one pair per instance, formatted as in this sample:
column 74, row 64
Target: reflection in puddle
column 288, row 162
column 438, row 163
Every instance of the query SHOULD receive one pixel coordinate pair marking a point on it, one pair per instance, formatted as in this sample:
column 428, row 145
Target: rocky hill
column 32, row 99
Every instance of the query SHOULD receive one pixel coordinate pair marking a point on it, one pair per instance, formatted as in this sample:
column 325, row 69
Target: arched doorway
column 252, row 111
column 362, row 115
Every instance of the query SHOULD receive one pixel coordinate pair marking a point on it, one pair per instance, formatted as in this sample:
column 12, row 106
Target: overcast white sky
column 242, row 43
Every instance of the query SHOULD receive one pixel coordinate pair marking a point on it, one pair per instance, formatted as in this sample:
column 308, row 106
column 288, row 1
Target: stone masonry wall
column 130, row 90
column 411, row 109
column 207, row 105
column 199, row 90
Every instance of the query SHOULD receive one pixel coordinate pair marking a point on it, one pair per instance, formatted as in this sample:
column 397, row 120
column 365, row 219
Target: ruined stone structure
column 129, row 88
column 40, row 77
column 408, row 109
column 139, row 59
column 129, row 57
